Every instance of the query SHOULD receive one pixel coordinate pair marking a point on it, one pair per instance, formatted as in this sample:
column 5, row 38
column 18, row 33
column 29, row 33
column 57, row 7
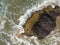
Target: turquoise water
column 1, row 7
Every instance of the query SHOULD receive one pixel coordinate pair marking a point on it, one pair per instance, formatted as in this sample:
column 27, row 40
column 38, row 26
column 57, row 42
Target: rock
column 42, row 22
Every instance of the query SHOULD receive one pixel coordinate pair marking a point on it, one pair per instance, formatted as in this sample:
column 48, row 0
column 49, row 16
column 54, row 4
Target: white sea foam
column 2, row 25
column 3, row 15
column 44, row 4
column 18, row 29
column 37, row 7
column 28, row 13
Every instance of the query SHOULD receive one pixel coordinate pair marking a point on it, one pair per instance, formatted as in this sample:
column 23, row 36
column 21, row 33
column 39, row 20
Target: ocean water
column 14, row 14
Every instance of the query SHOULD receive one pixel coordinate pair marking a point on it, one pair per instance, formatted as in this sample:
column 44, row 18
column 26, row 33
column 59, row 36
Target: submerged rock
column 42, row 22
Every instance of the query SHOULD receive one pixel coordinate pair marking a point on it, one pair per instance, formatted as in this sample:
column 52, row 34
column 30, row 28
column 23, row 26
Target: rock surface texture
column 42, row 22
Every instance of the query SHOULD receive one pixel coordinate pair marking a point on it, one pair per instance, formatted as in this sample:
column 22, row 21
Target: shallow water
column 11, row 24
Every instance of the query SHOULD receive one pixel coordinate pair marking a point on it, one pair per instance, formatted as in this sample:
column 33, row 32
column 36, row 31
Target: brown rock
column 42, row 22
